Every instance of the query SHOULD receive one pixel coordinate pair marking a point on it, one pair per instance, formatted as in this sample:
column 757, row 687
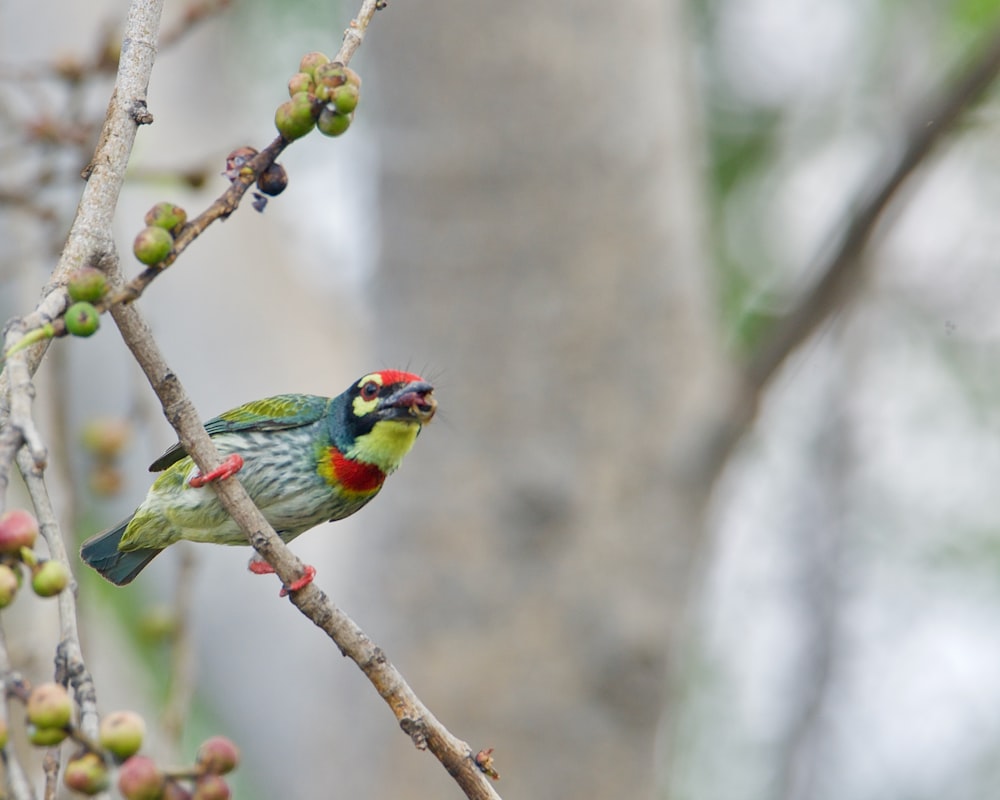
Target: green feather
column 280, row 412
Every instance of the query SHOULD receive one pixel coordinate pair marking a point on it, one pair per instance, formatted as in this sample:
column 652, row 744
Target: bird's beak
column 415, row 399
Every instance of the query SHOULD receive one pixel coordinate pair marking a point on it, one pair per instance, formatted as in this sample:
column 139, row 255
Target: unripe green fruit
column 82, row 319
column 167, row 216
column 4, row 733
column 140, row 779
column 300, row 82
column 330, row 123
column 87, row 283
column 345, row 98
column 49, row 706
column 352, row 77
column 218, row 755
column 45, row 737
column 152, row 245
column 295, row 117
column 18, row 528
column 49, row 578
column 211, row 787
column 9, row 585
column 121, row 733
column 310, row 61
column 87, row 774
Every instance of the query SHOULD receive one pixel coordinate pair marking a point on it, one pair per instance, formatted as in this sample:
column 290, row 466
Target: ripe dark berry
column 273, row 180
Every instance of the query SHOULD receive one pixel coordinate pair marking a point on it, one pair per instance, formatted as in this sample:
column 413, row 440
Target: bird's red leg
column 229, row 467
column 259, row 566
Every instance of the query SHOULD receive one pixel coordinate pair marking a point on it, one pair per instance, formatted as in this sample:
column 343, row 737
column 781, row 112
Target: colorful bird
column 303, row 459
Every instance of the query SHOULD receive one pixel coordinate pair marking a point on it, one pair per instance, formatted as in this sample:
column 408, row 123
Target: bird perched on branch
column 303, row 460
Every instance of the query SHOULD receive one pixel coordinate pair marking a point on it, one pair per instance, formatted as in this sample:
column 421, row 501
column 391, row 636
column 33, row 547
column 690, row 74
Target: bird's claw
column 260, row 567
column 308, row 573
column 229, row 467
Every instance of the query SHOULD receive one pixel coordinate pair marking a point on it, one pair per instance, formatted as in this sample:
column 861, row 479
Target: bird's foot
column 229, row 467
column 308, row 573
column 259, row 566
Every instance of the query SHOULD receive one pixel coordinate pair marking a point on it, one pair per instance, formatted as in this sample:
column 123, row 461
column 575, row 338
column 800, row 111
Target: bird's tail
column 118, row 566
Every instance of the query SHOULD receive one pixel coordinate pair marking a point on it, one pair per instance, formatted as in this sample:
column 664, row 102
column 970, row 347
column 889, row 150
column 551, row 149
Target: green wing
column 270, row 414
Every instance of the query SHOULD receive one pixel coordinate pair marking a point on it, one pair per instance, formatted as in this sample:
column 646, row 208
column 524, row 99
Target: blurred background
column 579, row 221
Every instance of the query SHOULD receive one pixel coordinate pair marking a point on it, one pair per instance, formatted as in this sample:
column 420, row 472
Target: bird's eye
column 369, row 391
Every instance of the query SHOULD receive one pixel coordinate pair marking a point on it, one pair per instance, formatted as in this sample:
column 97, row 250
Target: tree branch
column 414, row 718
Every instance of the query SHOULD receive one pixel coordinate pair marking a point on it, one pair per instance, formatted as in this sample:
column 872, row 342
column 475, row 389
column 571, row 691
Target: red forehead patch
column 391, row 376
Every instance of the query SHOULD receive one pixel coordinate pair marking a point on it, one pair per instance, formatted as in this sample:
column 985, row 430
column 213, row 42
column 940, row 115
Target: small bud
column 49, row 705
column 295, row 118
column 49, row 578
column 167, row 216
column 218, row 755
column 9, row 585
column 310, row 61
column 82, row 319
column 87, row 283
column 152, row 245
column 122, row 732
column 330, row 123
column 300, row 82
column 273, row 180
column 140, row 779
column 45, row 737
column 238, row 159
column 345, row 98
column 211, row 787
column 87, row 774
column 18, row 528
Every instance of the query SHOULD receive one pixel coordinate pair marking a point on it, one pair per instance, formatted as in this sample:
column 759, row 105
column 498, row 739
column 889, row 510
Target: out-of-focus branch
column 839, row 273
column 89, row 240
column 15, row 778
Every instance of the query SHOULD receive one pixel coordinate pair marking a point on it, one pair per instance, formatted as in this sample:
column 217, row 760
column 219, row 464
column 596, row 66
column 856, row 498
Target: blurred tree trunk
column 543, row 253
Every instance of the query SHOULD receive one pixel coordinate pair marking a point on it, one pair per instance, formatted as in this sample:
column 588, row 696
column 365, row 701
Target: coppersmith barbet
column 303, row 460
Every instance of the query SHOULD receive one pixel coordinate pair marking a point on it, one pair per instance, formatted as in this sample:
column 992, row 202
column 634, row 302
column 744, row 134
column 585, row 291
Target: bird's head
column 383, row 414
